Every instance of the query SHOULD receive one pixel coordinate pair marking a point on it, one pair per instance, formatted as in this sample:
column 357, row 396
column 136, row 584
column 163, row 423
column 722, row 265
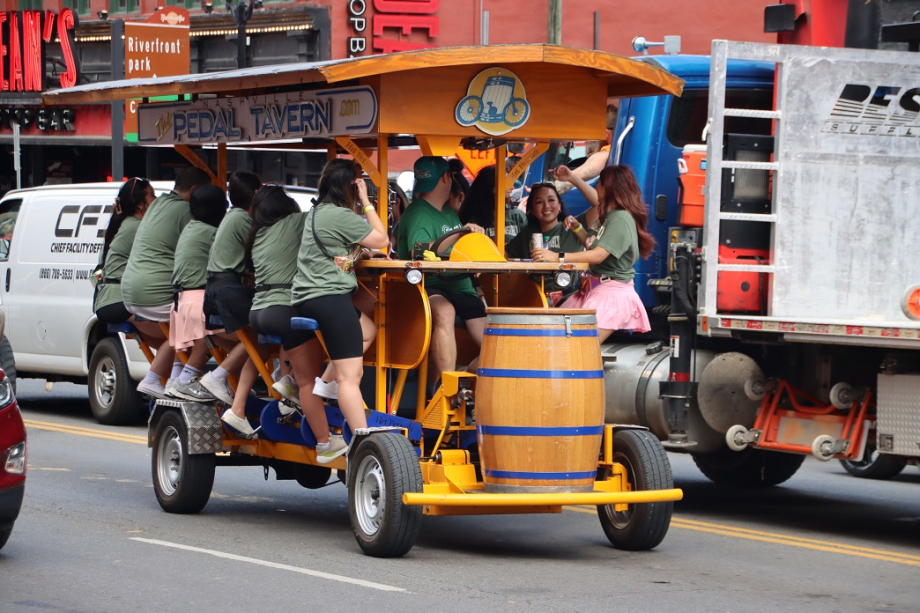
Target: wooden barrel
column 539, row 400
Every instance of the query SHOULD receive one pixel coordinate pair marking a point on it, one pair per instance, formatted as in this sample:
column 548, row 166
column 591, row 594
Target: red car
column 12, row 459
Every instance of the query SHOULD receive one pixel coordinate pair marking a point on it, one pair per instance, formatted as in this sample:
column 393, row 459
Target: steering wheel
column 436, row 245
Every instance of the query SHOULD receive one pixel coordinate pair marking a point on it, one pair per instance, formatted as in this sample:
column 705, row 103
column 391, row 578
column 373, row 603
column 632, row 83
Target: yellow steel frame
column 563, row 83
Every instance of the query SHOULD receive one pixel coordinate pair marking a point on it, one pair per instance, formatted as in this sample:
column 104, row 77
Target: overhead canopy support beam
column 197, row 162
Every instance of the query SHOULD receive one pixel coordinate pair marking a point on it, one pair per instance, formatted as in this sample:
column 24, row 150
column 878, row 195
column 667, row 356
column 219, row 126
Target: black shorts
column 466, row 306
column 230, row 300
column 113, row 313
column 339, row 321
column 276, row 321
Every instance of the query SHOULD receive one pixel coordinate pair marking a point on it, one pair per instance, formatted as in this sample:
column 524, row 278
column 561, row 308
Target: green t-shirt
column 115, row 262
column 619, row 237
column 339, row 229
column 556, row 239
column 147, row 280
column 422, row 223
column 583, row 220
column 273, row 259
column 190, row 269
column 228, row 251
column 515, row 220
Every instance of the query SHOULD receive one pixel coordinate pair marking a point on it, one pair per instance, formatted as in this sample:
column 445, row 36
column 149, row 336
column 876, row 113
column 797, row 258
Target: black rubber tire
column 5, row 536
column 748, row 468
column 874, row 465
column 182, row 482
column 384, row 527
column 8, row 362
column 113, row 396
column 312, row 477
column 641, row 526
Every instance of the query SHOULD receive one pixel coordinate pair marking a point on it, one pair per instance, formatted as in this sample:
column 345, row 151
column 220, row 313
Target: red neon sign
column 405, row 16
column 23, row 36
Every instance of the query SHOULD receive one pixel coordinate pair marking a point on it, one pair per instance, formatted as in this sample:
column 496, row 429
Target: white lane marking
column 295, row 569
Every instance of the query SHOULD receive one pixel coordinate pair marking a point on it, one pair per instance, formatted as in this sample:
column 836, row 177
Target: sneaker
column 337, row 447
column 154, row 390
column 220, row 388
column 287, row 388
column 326, row 390
column 190, row 391
column 286, row 410
column 239, row 425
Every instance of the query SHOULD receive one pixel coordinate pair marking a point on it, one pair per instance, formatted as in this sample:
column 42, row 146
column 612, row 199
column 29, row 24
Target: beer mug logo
column 495, row 102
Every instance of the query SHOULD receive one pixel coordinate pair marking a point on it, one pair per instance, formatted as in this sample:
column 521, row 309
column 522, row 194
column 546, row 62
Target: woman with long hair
column 621, row 241
column 545, row 216
column 131, row 204
column 323, row 285
column 270, row 245
column 479, row 206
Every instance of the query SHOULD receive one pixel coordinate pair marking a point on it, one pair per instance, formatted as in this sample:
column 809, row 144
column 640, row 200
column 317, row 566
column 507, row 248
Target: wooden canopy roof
column 625, row 77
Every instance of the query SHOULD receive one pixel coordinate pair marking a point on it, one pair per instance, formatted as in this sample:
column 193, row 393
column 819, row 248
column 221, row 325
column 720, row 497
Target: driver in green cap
column 423, row 221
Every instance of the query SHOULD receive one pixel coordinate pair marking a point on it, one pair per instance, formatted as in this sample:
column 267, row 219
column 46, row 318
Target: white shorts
column 154, row 313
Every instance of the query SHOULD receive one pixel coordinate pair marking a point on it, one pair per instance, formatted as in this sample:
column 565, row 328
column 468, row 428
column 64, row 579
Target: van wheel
column 113, row 396
column 8, row 362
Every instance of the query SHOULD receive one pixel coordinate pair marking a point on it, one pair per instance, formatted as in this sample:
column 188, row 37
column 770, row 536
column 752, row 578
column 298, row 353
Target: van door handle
column 9, row 272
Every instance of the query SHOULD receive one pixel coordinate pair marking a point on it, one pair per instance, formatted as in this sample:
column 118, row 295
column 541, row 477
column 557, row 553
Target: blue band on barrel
column 538, row 431
column 514, row 474
column 536, row 332
column 512, row 373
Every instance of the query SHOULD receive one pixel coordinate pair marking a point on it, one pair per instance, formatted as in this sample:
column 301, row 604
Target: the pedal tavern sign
column 253, row 119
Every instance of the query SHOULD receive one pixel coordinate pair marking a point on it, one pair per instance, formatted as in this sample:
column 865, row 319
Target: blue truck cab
column 660, row 127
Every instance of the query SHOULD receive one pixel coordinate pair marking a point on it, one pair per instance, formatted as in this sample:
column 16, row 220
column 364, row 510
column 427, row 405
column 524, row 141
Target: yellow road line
column 111, row 436
column 782, row 539
column 677, row 522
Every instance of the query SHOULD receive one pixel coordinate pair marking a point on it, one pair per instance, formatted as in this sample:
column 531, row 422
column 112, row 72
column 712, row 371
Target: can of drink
column 536, row 241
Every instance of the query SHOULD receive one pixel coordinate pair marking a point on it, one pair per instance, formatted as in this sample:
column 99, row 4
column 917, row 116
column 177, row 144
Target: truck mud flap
column 205, row 434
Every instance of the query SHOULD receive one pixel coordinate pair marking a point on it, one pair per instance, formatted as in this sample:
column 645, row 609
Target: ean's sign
column 23, row 38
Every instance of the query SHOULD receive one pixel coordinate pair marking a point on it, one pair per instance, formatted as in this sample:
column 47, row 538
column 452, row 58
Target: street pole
column 118, row 108
column 241, row 15
column 554, row 22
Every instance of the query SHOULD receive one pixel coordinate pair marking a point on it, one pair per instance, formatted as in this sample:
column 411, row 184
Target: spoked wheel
column 384, row 467
column 639, row 526
column 516, row 112
column 182, row 481
column 468, row 111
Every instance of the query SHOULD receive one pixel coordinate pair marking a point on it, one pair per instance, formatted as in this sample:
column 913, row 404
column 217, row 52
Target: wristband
column 369, row 207
column 562, row 258
column 578, row 228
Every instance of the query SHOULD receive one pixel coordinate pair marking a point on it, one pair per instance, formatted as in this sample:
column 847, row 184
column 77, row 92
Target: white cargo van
column 50, row 239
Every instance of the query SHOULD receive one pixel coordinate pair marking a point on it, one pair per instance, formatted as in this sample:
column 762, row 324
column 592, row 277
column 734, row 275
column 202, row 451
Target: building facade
column 53, row 41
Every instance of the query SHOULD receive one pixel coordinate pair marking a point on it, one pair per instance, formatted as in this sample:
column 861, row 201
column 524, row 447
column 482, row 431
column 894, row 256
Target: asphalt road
column 92, row 537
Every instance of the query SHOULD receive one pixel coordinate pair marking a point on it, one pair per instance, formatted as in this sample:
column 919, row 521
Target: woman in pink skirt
column 186, row 321
column 620, row 242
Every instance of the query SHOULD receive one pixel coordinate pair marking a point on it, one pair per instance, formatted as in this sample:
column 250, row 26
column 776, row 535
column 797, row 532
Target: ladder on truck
column 791, row 279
